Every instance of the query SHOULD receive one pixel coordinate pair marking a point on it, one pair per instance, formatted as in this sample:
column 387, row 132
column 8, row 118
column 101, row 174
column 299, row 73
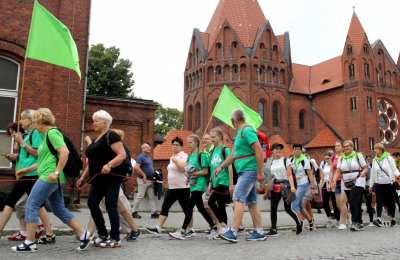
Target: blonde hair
column 348, row 142
column 44, row 116
column 196, row 139
column 28, row 114
column 379, row 146
column 119, row 132
column 218, row 131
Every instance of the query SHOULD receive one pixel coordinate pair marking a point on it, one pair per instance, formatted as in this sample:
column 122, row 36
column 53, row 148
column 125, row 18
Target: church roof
column 164, row 150
column 245, row 17
column 356, row 34
column 324, row 138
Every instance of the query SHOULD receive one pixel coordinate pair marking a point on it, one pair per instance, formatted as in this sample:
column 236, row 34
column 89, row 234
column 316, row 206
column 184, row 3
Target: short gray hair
column 28, row 114
column 104, row 116
column 238, row 116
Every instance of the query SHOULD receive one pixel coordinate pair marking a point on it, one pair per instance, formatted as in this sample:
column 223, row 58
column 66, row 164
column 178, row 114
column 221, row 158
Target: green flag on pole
column 228, row 102
column 51, row 41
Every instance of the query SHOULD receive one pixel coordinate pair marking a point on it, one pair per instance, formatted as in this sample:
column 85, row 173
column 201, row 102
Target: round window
column 387, row 121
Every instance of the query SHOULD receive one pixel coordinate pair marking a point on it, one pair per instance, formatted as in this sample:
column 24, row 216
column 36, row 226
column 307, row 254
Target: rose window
column 387, row 121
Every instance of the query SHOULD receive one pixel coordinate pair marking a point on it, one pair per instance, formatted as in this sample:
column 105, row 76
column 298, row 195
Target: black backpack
column 126, row 165
column 73, row 166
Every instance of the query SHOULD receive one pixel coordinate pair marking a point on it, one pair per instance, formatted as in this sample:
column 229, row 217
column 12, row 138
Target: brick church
column 355, row 95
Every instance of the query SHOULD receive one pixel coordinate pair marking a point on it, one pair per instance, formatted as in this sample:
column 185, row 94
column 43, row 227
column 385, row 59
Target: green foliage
column 167, row 119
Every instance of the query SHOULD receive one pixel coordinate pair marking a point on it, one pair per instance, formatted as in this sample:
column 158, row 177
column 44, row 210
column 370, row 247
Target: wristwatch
column 57, row 173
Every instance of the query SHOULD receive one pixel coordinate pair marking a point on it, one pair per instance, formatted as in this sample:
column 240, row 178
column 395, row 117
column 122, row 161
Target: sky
column 155, row 34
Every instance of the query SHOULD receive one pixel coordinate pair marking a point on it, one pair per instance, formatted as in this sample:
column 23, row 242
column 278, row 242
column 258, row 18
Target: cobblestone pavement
column 373, row 243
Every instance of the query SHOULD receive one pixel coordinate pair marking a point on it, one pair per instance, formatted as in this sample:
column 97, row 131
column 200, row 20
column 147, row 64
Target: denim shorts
column 301, row 192
column 41, row 192
column 245, row 189
column 338, row 188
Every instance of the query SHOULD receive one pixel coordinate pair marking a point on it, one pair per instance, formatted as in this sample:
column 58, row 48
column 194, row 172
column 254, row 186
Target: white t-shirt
column 355, row 166
column 278, row 169
column 300, row 171
column 384, row 172
column 133, row 162
column 326, row 171
column 176, row 178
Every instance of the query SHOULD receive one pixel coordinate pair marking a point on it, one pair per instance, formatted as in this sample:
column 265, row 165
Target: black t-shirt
column 100, row 153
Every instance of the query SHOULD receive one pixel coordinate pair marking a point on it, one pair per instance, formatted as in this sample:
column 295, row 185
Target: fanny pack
column 349, row 184
column 244, row 156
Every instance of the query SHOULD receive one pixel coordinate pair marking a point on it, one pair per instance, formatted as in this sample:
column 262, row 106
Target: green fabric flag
column 228, row 102
column 50, row 40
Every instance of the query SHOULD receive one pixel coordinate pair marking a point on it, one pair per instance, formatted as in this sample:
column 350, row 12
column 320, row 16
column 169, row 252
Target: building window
column 366, row 71
column 261, row 109
column 301, row 119
column 276, row 114
column 9, row 81
column 355, row 141
column 197, row 117
column 369, row 103
column 371, row 142
column 353, row 103
column 349, row 50
column 366, row 49
column 352, row 72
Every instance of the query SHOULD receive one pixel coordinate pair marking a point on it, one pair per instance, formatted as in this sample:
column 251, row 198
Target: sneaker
column 154, row 230
column 17, row 237
column 190, row 233
column 24, row 247
column 47, row 239
column 355, row 227
column 299, row 228
column 272, row 233
column 85, row 242
column 229, row 236
column 342, row 227
column 179, row 235
column 133, row 236
column 360, row 227
column 378, row 222
column 255, row 236
column 208, row 231
column 371, row 224
column 213, row 235
column 393, row 223
column 136, row 215
column 98, row 241
column 155, row 215
column 111, row 243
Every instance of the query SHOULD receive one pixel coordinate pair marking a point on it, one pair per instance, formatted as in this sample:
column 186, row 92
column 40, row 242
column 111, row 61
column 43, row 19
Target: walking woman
column 278, row 185
column 49, row 186
column 300, row 175
column 383, row 174
column 197, row 169
column 328, row 195
column 26, row 175
column 353, row 170
column 177, row 185
column 221, row 184
column 106, row 156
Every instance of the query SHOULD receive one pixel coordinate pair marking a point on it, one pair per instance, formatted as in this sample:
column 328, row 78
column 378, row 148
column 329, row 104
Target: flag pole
column 207, row 126
column 21, row 94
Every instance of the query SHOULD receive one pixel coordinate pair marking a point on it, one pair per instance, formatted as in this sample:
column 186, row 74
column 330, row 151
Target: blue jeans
column 41, row 192
column 245, row 189
column 301, row 192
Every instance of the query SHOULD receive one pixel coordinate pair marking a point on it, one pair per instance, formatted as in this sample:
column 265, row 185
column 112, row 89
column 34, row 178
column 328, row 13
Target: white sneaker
column 342, row 227
column 213, row 235
column 371, row 224
column 177, row 235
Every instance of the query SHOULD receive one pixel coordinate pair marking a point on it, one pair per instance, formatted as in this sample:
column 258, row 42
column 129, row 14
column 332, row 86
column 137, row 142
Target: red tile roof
column 287, row 151
column 164, row 150
column 245, row 17
column 324, row 138
column 356, row 34
column 317, row 78
column 281, row 41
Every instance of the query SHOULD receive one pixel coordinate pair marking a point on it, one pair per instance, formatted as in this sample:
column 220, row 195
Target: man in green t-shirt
column 248, row 160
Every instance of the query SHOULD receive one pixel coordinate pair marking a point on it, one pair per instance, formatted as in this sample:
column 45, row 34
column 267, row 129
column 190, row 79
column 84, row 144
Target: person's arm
column 26, row 170
column 119, row 150
column 139, row 171
column 231, row 185
column 372, row 178
column 260, row 161
column 63, row 153
column 291, row 179
column 20, row 141
column 321, row 177
column 84, row 176
column 180, row 164
column 228, row 161
column 268, row 186
column 203, row 172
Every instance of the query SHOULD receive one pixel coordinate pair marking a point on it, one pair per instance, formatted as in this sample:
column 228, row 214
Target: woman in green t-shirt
column 221, row 184
column 197, row 169
column 28, row 140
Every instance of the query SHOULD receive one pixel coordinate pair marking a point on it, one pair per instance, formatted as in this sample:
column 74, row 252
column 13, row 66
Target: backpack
column 73, row 166
column 126, row 165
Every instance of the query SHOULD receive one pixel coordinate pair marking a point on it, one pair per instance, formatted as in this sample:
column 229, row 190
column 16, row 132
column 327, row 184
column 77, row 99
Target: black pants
column 354, row 197
column 384, row 197
column 368, row 202
column 217, row 202
column 196, row 200
column 23, row 185
column 275, row 199
column 396, row 196
column 110, row 191
column 327, row 198
column 173, row 195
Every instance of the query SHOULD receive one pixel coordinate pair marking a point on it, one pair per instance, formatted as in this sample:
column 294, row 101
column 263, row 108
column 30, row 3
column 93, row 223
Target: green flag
column 50, row 40
column 228, row 102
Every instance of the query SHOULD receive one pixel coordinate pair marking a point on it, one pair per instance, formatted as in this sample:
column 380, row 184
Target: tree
column 109, row 75
column 166, row 119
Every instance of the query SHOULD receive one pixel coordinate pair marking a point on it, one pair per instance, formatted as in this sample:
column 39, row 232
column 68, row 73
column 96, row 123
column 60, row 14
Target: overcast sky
column 155, row 34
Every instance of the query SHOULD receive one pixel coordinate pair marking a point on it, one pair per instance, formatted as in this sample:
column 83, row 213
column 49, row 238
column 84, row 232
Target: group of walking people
column 344, row 179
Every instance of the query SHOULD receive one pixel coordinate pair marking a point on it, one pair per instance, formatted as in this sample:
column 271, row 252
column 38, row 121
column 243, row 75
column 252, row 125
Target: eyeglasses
column 176, row 144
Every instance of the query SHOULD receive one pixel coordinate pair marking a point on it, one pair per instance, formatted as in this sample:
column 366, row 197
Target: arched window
column 220, row 51
column 9, row 81
column 186, row 83
column 243, row 72
column 263, row 75
column 352, row 72
column 269, row 74
column 366, row 49
column 235, row 72
column 302, row 115
column 276, row 114
column 261, row 109
column 227, row 73
column 366, row 71
column 197, row 117
column 190, row 117
column 218, row 73
column 210, row 74
column 282, row 78
column 349, row 50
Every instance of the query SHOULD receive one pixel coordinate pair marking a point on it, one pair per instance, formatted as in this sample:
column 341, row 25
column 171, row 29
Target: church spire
column 356, row 33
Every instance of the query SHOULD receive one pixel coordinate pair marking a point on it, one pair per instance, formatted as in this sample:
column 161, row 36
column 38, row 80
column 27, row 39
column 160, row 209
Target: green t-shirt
column 25, row 159
column 198, row 183
column 47, row 162
column 245, row 137
column 216, row 159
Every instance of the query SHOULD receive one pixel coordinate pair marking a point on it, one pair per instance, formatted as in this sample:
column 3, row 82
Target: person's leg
column 189, row 210
column 111, row 199
column 336, row 211
column 44, row 217
column 152, row 197
column 379, row 200
column 125, row 211
column 275, row 198
column 368, row 202
column 213, row 202
column 290, row 212
column 355, row 204
column 140, row 195
column 326, row 201
column 20, row 212
column 389, row 200
column 96, row 194
column 344, row 211
column 198, row 200
column 237, row 215
column 170, row 197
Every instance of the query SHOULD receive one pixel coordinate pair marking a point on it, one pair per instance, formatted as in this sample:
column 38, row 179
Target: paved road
column 373, row 243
